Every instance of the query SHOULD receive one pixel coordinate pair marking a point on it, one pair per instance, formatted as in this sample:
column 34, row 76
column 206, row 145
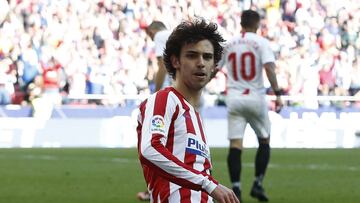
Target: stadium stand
column 89, row 51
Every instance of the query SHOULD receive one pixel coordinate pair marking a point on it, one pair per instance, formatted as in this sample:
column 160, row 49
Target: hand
column 223, row 194
column 278, row 104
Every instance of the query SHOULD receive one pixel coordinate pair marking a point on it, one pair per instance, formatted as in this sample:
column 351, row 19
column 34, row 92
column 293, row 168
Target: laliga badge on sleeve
column 157, row 125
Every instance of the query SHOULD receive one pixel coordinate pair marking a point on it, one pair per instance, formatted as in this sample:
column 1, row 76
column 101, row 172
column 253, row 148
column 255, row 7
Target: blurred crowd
column 63, row 50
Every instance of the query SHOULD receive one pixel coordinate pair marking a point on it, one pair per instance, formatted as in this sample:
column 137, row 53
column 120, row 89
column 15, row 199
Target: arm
column 270, row 72
column 157, row 157
column 160, row 74
column 181, row 174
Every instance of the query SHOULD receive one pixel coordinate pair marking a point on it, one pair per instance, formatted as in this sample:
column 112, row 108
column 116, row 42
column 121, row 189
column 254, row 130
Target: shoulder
column 162, row 35
column 164, row 97
column 262, row 40
column 232, row 41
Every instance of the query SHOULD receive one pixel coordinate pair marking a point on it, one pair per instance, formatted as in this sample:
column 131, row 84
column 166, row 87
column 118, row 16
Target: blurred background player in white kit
column 159, row 34
column 245, row 56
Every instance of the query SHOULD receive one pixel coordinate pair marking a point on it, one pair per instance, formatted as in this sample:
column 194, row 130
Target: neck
column 191, row 96
column 249, row 30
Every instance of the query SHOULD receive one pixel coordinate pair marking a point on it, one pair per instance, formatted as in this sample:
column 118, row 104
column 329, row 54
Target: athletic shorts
column 249, row 109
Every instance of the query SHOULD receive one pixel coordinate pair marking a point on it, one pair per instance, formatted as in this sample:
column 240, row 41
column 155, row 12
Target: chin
column 200, row 86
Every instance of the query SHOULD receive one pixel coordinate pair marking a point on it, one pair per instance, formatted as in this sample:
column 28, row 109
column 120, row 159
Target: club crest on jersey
column 157, row 124
column 197, row 146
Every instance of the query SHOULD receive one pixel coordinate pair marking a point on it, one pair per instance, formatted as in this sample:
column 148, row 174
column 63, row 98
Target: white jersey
column 173, row 150
column 244, row 56
column 160, row 39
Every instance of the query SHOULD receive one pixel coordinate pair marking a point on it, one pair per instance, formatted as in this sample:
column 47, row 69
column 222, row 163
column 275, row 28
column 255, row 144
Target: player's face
column 195, row 64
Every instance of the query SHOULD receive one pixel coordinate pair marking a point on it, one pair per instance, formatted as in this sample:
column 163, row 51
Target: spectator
column 74, row 30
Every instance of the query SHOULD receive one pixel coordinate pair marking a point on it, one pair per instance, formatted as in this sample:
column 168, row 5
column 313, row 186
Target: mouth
column 200, row 75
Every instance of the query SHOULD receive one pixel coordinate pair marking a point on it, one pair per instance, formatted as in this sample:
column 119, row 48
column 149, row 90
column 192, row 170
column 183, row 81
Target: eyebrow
column 196, row 52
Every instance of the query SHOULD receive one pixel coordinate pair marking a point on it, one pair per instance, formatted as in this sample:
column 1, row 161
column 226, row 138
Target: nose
column 201, row 61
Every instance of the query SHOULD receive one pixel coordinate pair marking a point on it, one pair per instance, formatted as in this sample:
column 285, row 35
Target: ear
column 175, row 62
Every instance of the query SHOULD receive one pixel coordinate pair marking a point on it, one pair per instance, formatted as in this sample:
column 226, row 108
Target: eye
column 208, row 56
column 191, row 55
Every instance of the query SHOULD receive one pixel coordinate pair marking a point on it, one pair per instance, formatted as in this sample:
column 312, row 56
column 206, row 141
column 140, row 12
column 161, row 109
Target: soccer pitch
column 39, row 175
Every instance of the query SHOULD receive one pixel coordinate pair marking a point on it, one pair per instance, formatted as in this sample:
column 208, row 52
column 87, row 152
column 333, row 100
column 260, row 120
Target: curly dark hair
column 189, row 32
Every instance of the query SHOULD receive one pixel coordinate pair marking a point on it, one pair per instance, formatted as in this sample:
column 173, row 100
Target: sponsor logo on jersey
column 197, row 146
column 157, row 124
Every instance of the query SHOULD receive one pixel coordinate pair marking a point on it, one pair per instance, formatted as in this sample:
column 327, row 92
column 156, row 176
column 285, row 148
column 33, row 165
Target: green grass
column 114, row 175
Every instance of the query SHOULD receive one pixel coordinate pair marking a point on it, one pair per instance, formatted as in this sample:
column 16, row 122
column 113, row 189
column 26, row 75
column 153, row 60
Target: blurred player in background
column 172, row 145
column 245, row 56
column 159, row 34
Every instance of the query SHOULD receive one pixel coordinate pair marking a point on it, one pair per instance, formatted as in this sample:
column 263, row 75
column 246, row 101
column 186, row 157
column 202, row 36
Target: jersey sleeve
column 267, row 54
column 159, row 113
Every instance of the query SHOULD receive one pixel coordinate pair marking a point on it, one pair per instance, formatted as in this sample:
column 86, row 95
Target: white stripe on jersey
column 173, row 147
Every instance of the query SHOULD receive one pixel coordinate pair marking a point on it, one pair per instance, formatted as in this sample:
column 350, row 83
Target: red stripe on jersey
column 204, row 197
column 156, row 190
column 200, row 127
column 189, row 124
column 138, row 130
column 185, row 195
column 170, row 140
column 207, row 164
column 165, row 192
column 155, row 193
column 161, row 188
column 160, row 103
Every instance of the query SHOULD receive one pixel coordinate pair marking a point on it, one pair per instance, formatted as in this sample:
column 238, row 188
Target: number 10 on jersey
column 246, row 67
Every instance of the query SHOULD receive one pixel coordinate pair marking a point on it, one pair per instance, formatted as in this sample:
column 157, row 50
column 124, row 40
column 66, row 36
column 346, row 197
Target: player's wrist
column 278, row 92
column 209, row 186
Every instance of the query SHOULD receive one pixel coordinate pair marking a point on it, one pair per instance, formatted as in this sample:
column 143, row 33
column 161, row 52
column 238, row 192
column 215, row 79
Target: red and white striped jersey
column 244, row 57
column 173, row 150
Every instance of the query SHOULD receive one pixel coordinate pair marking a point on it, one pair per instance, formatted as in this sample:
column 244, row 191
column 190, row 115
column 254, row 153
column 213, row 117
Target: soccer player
column 159, row 34
column 172, row 144
column 245, row 56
